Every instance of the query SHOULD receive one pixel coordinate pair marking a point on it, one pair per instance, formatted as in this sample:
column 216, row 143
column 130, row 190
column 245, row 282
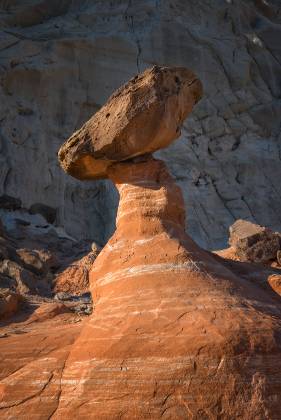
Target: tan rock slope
column 176, row 333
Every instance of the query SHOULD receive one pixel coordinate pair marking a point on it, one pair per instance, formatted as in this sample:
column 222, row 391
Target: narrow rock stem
column 150, row 201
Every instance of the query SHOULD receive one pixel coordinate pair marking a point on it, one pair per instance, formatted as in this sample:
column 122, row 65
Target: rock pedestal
column 174, row 333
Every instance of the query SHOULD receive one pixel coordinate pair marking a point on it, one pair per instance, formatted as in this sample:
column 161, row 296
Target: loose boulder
column 142, row 116
column 253, row 242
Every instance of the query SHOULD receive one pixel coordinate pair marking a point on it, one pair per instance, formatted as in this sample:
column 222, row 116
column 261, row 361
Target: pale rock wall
column 59, row 62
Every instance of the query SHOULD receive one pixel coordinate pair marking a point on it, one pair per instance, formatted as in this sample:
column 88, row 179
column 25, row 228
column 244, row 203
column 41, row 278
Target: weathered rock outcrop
column 33, row 355
column 74, row 278
column 61, row 60
column 41, row 263
column 176, row 332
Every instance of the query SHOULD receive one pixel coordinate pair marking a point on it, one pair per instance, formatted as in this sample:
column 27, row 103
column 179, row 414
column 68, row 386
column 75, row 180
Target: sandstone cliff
column 61, row 60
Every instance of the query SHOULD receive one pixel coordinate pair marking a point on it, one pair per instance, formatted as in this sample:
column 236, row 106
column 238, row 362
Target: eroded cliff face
column 61, row 60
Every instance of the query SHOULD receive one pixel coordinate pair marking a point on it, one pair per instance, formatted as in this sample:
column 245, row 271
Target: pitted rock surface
column 143, row 116
column 253, row 242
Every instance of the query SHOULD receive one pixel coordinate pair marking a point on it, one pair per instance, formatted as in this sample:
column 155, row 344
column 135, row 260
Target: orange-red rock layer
column 175, row 333
column 34, row 350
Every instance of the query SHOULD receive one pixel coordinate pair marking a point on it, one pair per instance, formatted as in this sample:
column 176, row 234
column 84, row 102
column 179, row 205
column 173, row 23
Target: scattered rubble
column 41, row 263
column 80, row 304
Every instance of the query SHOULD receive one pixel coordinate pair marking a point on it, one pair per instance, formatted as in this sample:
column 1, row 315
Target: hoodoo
column 175, row 333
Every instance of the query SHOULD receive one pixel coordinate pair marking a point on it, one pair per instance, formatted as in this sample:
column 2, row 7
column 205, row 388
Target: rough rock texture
column 253, row 242
column 275, row 282
column 175, row 333
column 32, row 262
column 144, row 115
column 9, row 303
column 60, row 61
column 35, row 343
column 75, row 278
column 267, row 275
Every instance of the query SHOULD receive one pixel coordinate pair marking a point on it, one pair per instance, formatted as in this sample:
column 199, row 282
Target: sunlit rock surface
column 177, row 332
column 60, row 61
column 143, row 116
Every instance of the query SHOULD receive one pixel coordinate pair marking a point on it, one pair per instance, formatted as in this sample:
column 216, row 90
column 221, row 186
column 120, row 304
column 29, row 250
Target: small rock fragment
column 275, row 282
column 62, row 296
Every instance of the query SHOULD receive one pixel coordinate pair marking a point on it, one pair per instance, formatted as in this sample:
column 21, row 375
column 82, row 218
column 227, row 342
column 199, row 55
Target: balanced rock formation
column 141, row 117
column 174, row 334
column 74, row 54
